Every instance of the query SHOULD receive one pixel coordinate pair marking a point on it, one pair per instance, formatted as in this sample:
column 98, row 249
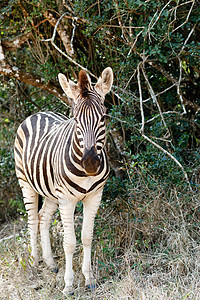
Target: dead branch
column 141, row 104
column 171, row 156
column 154, row 98
column 188, row 37
column 8, row 238
column 164, row 113
column 170, row 77
column 150, row 27
column 61, row 31
column 178, row 85
column 120, row 21
column 158, row 94
column 187, row 18
column 161, row 114
column 63, row 53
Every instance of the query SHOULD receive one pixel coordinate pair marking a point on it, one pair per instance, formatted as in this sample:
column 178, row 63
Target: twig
column 180, row 67
column 164, row 113
column 140, row 93
column 120, row 21
column 179, row 5
column 151, row 91
column 124, row 26
column 158, row 17
column 174, row 81
column 117, row 95
column 187, row 18
column 130, row 79
column 158, row 94
column 73, row 61
column 189, row 35
column 55, row 29
column 133, row 45
column 64, row 54
column 171, row 156
column 9, row 237
column 120, row 120
column 73, row 31
column 178, row 85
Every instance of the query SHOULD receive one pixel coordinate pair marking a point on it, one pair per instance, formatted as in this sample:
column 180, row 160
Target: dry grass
column 142, row 250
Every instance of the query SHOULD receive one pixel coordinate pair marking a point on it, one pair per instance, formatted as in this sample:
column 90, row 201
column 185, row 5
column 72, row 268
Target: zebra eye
column 103, row 119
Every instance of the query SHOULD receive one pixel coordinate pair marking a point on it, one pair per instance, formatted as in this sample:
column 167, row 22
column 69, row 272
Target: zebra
column 64, row 161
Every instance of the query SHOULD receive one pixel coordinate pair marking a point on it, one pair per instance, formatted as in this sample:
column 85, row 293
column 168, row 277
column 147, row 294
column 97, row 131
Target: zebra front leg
column 67, row 208
column 90, row 207
column 45, row 216
column 31, row 204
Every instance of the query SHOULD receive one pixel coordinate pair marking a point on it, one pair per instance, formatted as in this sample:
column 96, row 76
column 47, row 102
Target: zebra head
column 89, row 114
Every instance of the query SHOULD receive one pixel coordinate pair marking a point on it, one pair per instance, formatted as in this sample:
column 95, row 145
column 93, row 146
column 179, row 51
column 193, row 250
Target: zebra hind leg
column 45, row 216
column 31, row 203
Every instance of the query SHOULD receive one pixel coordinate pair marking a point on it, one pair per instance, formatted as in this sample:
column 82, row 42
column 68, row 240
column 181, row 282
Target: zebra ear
column 105, row 81
column 70, row 88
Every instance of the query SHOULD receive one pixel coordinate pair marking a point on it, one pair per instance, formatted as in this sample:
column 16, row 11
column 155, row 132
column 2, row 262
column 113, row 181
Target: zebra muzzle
column 90, row 161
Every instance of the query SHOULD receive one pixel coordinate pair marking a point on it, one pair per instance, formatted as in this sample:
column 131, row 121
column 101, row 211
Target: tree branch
column 37, row 81
column 64, row 54
column 154, row 98
column 17, row 42
column 61, row 31
column 171, row 156
column 141, row 104
column 170, row 77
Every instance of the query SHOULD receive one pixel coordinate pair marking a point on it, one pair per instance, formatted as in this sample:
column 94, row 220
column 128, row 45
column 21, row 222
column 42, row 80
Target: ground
column 128, row 274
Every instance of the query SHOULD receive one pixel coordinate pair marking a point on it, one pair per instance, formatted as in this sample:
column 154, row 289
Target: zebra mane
column 84, row 83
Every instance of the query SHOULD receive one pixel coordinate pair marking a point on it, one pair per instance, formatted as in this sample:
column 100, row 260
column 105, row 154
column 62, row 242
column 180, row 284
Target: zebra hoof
column 68, row 292
column 54, row 270
column 91, row 287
